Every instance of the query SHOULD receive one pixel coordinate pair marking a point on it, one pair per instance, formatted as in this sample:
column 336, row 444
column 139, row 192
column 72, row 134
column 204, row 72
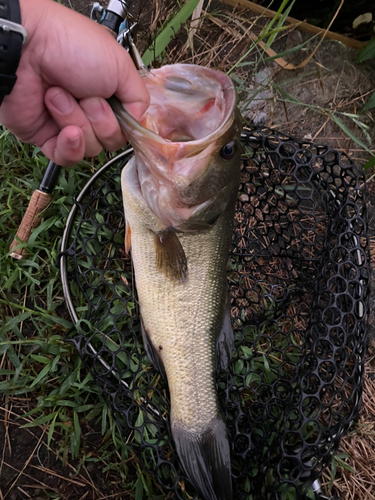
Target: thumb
column 131, row 89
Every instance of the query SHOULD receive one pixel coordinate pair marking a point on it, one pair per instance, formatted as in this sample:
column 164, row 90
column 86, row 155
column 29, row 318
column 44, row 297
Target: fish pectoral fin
column 205, row 457
column 127, row 237
column 225, row 342
column 151, row 351
column 170, row 256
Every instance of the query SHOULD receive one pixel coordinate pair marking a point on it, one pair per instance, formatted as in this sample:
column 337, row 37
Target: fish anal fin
column 127, row 237
column 151, row 351
column 205, row 457
column 225, row 341
column 170, row 256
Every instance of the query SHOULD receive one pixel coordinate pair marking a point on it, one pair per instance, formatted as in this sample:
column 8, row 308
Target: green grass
column 37, row 363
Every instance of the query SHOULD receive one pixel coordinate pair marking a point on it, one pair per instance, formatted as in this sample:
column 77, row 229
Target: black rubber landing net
column 298, row 276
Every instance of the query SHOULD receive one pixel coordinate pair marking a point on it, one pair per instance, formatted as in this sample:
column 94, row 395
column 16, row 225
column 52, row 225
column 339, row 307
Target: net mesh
column 298, row 276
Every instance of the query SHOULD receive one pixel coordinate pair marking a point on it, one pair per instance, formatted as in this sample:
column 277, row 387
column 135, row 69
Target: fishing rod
column 121, row 24
column 39, row 200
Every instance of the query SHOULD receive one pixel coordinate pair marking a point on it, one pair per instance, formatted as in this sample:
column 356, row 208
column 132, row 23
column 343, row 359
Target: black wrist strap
column 10, row 46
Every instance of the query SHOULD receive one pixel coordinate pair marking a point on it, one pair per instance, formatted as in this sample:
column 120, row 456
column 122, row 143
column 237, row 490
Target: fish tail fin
column 205, row 457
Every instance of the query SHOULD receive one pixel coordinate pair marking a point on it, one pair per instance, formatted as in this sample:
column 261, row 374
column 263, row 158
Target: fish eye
column 228, row 151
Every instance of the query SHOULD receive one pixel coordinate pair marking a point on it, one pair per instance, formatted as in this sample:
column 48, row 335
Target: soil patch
column 31, row 469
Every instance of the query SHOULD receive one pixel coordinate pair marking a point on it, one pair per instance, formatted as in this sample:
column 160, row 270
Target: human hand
column 68, row 67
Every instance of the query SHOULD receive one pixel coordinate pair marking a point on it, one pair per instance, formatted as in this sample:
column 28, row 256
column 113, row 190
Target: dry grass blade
column 43, row 485
column 236, row 35
column 53, row 473
column 261, row 11
column 195, row 23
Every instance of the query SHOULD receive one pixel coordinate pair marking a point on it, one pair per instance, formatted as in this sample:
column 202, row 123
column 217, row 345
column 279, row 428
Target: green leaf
column 41, row 375
column 85, row 381
column 273, row 20
column 11, row 323
column 366, row 52
column 6, row 346
column 36, row 151
column 139, row 489
column 347, row 131
column 68, row 383
column 51, row 429
column 66, row 402
column 370, row 163
column 288, row 96
column 82, row 408
column 280, row 22
column 55, row 319
column 4, row 372
column 311, row 495
column 369, row 104
column 44, row 226
column 343, row 464
column 266, row 364
column 168, row 33
column 140, row 420
column 238, row 367
column 54, row 363
column 12, row 278
column 76, row 436
column 286, row 52
column 104, row 419
column 38, row 421
column 246, row 351
column 27, row 263
column 39, row 312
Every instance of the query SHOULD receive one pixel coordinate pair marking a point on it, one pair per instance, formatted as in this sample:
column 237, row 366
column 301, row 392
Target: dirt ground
column 30, row 469
column 27, row 461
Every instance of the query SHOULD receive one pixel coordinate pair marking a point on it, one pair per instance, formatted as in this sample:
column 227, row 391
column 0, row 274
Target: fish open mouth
column 188, row 107
column 195, row 107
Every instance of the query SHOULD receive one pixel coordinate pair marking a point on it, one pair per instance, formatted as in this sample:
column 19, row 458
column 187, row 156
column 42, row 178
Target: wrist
column 12, row 37
column 33, row 12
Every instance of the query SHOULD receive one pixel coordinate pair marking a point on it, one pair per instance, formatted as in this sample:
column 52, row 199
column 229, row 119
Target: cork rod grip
column 32, row 218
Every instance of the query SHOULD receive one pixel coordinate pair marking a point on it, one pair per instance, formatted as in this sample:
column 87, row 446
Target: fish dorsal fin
column 170, row 256
column 225, row 341
column 152, row 351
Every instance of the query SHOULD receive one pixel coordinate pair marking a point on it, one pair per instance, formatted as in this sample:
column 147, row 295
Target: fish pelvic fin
column 152, row 352
column 205, row 458
column 225, row 341
column 127, row 237
column 170, row 256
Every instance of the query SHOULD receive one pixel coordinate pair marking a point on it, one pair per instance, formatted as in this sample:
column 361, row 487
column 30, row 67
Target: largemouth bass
column 179, row 194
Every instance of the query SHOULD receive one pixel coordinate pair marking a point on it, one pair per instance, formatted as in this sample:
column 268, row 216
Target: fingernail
column 75, row 142
column 62, row 102
column 93, row 108
column 136, row 109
